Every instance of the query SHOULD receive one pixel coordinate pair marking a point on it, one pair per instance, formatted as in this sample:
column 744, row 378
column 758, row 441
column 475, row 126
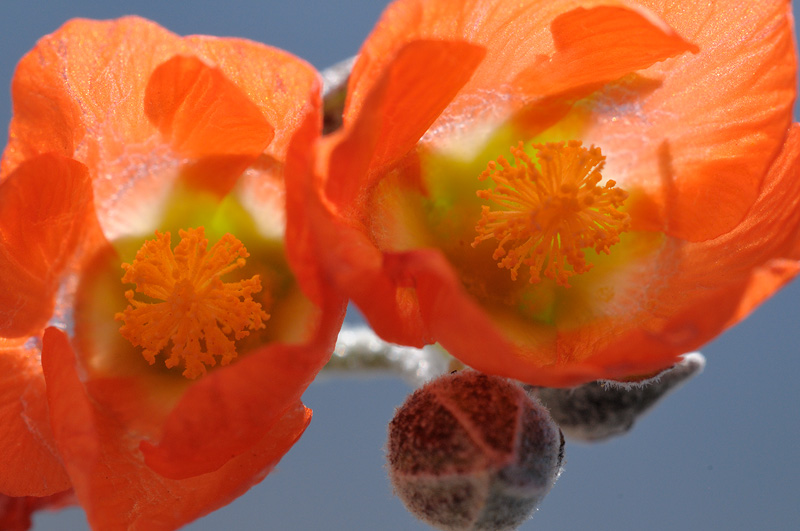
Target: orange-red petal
column 30, row 465
column 47, row 209
column 111, row 481
column 285, row 89
column 413, row 90
column 514, row 34
column 200, row 112
column 721, row 115
column 82, row 89
column 277, row 82
column 228, row 411
column 662, row 114
column 601, row 44
column 81, row 92
column 205, row 116
column 723, row 111
column 742, row 267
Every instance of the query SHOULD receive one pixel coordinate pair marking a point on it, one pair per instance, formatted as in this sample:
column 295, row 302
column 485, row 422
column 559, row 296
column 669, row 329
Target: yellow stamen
column 199, row 311
column 550, row 213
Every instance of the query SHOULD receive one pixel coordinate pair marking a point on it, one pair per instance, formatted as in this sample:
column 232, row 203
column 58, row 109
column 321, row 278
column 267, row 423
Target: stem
column 360, row 351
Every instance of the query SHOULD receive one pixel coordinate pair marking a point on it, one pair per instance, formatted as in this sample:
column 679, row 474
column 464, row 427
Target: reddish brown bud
column 471, row 451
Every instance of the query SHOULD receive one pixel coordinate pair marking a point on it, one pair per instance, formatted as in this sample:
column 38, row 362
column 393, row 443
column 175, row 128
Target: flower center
column 199, row 312
column 548, row 213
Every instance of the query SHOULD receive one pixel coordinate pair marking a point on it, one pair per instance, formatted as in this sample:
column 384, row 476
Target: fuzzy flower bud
column 469, row 451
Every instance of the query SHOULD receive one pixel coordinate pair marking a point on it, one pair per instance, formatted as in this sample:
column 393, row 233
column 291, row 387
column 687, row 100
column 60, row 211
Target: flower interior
column 222, row 291
column 551, row 208
column 197, row 311
column 550, row 216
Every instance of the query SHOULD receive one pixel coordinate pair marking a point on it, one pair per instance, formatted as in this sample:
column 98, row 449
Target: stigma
column 546, row 212
column 192, row 307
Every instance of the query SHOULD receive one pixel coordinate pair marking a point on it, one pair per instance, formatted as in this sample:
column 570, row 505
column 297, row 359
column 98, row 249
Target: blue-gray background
column 721, row 453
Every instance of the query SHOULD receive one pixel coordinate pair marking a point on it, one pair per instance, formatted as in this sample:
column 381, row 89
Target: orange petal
column 356, row 268
column 764, row 282
column 227, row 411
column 723, row 113
column 513, row 34
column 466, row 330
column 692, row 302
column 85, row 83
column 111, row 481
column 80, row 92
column 205, row 116
column 30, row 468
column 684, row 306
column 601, row 44
column 285, row 89
column 278, row 83
column 413, row 90
column 47, row 209
column 203, row 113
column 754, row 259
column 300, row 197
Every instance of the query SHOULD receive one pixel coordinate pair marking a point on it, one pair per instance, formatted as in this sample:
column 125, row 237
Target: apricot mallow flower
column 561, row 191
column 156, row 337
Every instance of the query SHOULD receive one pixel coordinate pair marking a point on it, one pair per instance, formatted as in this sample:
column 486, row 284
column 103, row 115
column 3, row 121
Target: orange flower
column 564, row 191
column 154, row 330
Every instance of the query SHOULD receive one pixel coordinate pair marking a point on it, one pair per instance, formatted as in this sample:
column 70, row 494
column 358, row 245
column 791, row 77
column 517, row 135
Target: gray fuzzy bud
column 473, row 452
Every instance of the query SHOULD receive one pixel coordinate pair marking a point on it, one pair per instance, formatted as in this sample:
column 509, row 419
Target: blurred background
column 720, row 453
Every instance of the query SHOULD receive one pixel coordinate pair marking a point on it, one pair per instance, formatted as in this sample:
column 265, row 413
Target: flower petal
column 202, row 113
column 356, row 267
column 724, row 111
column 601, row 44
column 205, row 116
column 702, row 288
column 229, row 410
column 709, row 285
column 28, row 460
column 47, row 206
column 724, row 114
column 513, row 33
column 85, row 84
column 285, row 89
column 300, row 197
column 276, row 82
column 750, row 262
column 80, row 92
column 412, row 91
column 110, row 478
column 463, row 327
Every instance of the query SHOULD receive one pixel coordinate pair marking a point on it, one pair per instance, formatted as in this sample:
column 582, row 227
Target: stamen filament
column 198, row 311
column 550, row 211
